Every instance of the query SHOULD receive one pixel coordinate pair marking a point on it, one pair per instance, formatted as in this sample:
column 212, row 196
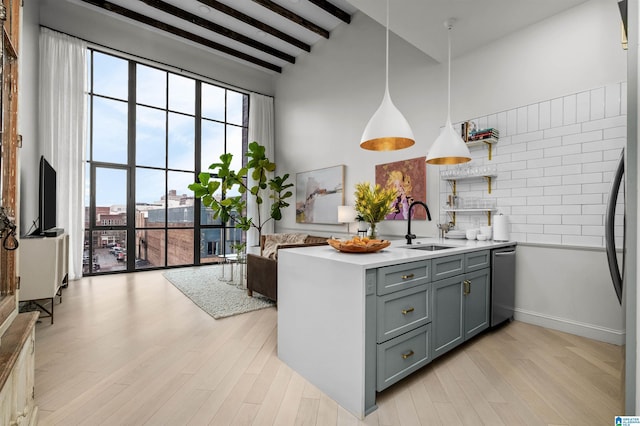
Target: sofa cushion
column 273, row 241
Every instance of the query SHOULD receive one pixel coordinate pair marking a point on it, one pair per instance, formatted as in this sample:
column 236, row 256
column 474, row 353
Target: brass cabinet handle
column 408, row 354
column 406, row 277
column 406, row 311
column 467, row 287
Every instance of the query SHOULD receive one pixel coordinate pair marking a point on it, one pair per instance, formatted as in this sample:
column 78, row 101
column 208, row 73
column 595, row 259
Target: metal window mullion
column 131, row 162
column 166, row 171
column 197, row 161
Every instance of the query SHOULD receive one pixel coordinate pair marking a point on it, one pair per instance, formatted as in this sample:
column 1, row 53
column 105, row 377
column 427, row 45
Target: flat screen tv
column 47, row 197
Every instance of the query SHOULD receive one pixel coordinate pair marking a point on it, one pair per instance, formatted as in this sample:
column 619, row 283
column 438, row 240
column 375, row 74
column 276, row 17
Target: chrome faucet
column 409, row 235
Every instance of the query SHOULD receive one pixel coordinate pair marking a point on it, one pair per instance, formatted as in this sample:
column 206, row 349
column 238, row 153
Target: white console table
column 43, row 269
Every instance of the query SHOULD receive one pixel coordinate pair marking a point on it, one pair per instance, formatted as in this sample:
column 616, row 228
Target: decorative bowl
column 358, row 245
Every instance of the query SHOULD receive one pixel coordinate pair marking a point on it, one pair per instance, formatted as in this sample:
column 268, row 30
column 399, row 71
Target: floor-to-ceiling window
column 151, row 131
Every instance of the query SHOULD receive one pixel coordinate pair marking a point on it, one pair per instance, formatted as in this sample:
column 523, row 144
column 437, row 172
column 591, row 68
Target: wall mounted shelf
column 453, row 212
column 487, row 177
column 488, row 142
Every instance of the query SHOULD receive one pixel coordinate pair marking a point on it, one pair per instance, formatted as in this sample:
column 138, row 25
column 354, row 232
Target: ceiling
column 271, row 34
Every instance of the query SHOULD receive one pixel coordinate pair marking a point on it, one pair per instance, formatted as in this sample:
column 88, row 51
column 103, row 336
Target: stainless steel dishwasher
column 503, row 280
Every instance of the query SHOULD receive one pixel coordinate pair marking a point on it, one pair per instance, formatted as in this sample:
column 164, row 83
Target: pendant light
column 449, row 148
column 387, row 129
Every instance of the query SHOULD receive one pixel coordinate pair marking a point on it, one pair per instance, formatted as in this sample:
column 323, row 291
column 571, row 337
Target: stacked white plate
column 455, row 234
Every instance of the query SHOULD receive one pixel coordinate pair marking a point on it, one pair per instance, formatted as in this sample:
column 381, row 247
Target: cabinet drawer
column 448, row 266
column 406, row 275
column 399, row 357
column 477, row 260
column 402, row 311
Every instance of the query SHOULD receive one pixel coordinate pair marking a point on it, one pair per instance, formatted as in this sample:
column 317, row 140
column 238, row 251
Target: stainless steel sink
column 428, row 247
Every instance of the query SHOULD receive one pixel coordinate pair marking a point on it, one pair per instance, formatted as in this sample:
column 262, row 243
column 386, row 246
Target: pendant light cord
column 449, row 75
column 386, row 84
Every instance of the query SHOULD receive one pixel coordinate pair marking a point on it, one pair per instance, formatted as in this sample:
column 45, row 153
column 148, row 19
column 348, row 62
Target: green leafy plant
column 232, row 208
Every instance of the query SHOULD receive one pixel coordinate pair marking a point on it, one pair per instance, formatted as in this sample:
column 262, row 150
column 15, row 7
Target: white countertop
column 398, row 252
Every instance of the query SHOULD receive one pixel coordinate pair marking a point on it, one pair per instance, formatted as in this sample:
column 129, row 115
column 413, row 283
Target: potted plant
column 233, row 208
column 373, row 204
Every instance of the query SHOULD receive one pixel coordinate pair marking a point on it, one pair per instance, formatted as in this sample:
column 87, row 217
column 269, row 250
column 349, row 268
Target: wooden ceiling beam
column 286, row 13
column 333, row 10
column 221, row 7
column 218, row 29
column 114, row 8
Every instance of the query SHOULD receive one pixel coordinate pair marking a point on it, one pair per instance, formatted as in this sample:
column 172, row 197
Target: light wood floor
column 131, row 349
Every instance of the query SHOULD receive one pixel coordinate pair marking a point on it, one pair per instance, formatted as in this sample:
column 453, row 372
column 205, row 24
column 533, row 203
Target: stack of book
column 478, row 135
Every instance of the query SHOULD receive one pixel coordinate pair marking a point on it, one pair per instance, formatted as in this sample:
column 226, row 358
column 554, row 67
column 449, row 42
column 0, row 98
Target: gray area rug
column 220, row 299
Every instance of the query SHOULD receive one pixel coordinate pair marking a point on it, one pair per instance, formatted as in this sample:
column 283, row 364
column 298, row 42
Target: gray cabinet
column 420, row 310
column 476, row 297
column 461, row 303
column 403, row 317
column 448, row 314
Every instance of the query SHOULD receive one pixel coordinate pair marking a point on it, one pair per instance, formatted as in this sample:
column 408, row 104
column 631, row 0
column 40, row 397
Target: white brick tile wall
column 512, row 122
column 616, row 132
column 563, row 229
column 528, row 155
column 563, row 170
column 521, row 125
column 562, row 130
column 544, row 114
column 532, row 118
column 557, row 107
column 544, row 219
column 544, row 238
column 593, row 209
column 605, row 123
column 527, row 210
column 568, row 209
column 589, row 157
column 562, row 150
column 569, row 110
column 578, row 240
column 527, row 173
column 583, row 107
column 544, row 162
column 580, row 138
column 583, row 178
column 555, row 161
column 582, row 199
column 562, row 190
column 545, row 181
column 597, row 103
column 612, row 100
column 592, row 219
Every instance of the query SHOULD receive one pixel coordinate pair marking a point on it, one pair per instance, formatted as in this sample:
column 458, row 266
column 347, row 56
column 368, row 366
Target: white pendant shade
column 387, row 129
column 449, row 148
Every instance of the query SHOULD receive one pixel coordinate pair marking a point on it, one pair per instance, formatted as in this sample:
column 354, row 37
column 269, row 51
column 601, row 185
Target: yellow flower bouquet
column 373, row 204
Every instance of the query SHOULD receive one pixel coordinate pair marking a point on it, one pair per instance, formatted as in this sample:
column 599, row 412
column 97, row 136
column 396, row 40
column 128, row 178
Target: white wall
column 28, row 115
column 324, row 102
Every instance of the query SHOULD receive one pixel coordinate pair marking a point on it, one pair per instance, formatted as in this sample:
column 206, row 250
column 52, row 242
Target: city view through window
column 150, row 132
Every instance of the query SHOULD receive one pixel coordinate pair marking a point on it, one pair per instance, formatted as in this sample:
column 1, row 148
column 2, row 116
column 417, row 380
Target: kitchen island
column 354, row 324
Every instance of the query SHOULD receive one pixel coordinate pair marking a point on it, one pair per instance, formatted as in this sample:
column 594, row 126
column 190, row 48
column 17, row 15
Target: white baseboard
column 616, row 337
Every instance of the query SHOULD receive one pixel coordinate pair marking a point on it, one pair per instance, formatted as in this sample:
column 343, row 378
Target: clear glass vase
column 373, row 230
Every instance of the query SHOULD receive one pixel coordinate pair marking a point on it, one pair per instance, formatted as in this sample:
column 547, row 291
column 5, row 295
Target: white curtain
column 63, row 118
column 261, row 130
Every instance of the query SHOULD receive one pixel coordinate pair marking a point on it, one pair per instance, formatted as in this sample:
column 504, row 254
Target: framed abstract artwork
column 409, row 179
column 318, row 195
